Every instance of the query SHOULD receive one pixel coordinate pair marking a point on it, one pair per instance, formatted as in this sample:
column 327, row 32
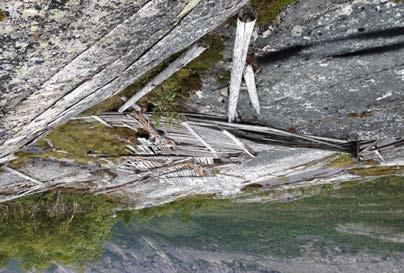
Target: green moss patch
column 77, row 140
column 269, row 10
column 342, row 160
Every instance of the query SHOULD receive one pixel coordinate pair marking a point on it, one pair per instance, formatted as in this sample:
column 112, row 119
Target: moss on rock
column 269, row 10
column 378, row 171
column 3, row 15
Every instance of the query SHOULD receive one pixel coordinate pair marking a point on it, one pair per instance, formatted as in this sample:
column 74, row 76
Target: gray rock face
column 329, row 68
column 62, row 57
column 334, row 70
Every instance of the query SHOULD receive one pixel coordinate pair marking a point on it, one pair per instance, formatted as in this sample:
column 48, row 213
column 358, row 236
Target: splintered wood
column 179, row 63
column 252, row 89
column 245, row 26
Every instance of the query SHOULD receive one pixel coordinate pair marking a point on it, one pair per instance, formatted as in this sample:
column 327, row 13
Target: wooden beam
column 23, row 175
column 179, row 63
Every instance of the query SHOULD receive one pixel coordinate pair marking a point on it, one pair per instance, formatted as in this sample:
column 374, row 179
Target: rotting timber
column 197, row 155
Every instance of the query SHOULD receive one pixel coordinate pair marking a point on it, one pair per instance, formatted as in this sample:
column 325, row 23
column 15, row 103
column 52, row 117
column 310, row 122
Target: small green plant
column 215, row 172
column 167, row 99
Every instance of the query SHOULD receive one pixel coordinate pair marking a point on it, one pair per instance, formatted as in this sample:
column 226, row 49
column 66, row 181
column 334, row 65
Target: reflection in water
column 358, row 227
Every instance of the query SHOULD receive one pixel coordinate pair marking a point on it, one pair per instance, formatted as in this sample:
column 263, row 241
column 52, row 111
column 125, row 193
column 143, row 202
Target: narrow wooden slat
column 179, row 63
column 251, row 87
column 239, row 143
column 197, row 136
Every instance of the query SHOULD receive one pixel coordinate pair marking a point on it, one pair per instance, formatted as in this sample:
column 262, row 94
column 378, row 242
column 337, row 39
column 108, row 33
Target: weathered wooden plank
column 179, row 63
column 239, row 143
column 199, row 138
column 192, row 4
column 25, row 176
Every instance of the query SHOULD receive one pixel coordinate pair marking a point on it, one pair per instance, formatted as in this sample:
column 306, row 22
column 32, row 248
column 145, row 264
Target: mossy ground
column 342, row 160
column 378, row 171
column 77, row 140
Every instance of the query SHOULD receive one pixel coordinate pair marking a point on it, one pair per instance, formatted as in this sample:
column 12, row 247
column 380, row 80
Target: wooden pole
column 245, row 26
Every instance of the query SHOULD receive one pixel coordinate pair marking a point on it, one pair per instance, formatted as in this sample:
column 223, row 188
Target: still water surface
column 353, row 227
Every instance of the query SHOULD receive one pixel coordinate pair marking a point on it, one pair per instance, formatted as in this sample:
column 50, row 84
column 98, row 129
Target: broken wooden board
column 252, row 88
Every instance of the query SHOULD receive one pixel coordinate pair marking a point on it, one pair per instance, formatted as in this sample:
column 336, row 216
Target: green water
column 70, row 229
